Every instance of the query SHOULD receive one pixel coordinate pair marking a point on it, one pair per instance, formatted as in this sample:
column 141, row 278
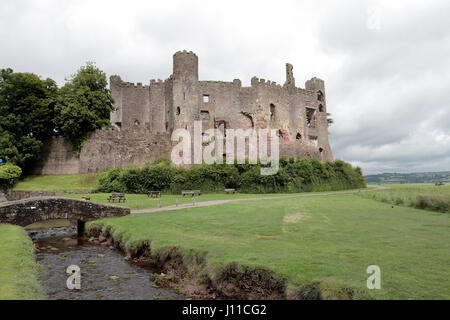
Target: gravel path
column 218, row 202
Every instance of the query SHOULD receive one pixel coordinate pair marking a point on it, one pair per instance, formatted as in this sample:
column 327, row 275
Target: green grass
column 142, row 201
column 19, row 273
column 419, row 196
column 330, row 239
column 70, row 182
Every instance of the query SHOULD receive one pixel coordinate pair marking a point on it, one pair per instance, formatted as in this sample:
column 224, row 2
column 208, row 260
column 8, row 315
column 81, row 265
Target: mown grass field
column 420, row 196
column 331, row 239
column 73, row 182
column 142, row 201
column 19, row 273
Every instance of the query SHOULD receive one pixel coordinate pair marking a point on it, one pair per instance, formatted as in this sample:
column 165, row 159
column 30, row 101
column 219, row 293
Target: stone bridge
column 26, row 212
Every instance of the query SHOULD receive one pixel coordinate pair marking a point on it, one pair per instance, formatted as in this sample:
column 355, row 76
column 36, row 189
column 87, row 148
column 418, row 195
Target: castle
column 146, row 115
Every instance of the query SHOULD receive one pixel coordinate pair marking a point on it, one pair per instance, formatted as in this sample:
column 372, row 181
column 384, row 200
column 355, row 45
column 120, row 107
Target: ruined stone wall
column 104, row 149
column 158, row 116
column 132, row 103
column 146, row 116
column 57, row 157
column 249, row 108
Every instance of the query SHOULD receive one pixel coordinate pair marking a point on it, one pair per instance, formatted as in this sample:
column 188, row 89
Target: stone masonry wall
column 26, row 212
column 104, row 149
column 146, row 116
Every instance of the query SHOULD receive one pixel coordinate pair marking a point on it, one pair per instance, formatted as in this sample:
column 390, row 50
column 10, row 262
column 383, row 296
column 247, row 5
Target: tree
column 26, row 115
column 329, row 120
column 9, row 175
column 84, row 105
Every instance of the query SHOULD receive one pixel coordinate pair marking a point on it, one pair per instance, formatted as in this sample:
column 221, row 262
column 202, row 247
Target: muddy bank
column 187, row 272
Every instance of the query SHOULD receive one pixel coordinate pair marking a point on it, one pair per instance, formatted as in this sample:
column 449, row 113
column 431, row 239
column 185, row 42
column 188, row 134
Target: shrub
column 9, row 176
column 294, row 175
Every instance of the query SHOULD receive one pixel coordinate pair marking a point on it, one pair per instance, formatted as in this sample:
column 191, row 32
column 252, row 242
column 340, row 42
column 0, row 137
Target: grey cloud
column 387, row 89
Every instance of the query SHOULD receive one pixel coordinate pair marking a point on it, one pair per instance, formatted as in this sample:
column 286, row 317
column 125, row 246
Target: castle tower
column 319, row 105
column 290, row 80
column 318, row 87
column 185, row 97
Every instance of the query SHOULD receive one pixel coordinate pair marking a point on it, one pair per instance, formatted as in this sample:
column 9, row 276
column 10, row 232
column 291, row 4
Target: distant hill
column 423, row 177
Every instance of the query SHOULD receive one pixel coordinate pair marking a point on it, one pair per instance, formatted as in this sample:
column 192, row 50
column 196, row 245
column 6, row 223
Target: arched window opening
column 298, row 136
column 272, row 112
column 320, row 150
column 320, row 96
column 320, row 108
column 136, row 122
column 310, row 118
column 178, row 111
column 249, row 120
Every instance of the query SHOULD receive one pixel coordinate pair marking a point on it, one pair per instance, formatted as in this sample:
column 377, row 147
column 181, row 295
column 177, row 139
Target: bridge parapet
column 28, row 211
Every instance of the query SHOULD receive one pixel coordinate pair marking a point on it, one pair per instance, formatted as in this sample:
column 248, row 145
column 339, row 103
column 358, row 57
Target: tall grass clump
column 294, row 175
column 426, row 197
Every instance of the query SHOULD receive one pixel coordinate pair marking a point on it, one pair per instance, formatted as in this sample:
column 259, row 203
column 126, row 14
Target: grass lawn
column 19, row 273
column 420, row 196
column 69, row 182
column 331, row 239
column 142, row 201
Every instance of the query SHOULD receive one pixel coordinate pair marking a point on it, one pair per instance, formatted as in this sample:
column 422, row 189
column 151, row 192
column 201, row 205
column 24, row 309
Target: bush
column 294, row 175
column 9, row 176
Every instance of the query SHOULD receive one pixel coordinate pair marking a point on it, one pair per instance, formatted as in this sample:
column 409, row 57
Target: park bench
column 191, row 193
column 117, row 197
column 154, row 194
column 228, row 191
column 438, row 184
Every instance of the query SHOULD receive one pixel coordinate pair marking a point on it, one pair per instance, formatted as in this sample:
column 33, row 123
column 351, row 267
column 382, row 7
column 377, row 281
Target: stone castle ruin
column 146, row 115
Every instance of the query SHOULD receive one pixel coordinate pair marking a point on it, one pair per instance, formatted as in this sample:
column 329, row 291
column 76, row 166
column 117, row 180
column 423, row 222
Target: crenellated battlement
column 184, row 52
column 156, row 82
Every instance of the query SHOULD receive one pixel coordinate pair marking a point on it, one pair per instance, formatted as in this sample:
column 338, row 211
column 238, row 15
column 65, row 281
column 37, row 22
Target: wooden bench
column 154, row 194
column 438, row 184
column 191, row 193
column 228, row 191
column 117, row 197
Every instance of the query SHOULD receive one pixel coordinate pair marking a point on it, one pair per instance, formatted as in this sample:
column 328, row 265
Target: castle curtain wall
column 146, row 115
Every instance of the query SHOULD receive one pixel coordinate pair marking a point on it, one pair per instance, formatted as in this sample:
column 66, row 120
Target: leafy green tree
column 26, row 115
column 84, row 105
column 329, row 120
column 9, row 175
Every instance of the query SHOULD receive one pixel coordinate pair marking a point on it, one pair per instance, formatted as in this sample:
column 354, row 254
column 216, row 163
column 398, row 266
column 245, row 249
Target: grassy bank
column 419, row 196
column 69, row 182
column 19, row 273
column 322, row 244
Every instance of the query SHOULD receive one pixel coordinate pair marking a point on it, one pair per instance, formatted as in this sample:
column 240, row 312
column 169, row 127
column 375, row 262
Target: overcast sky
column 386, row 64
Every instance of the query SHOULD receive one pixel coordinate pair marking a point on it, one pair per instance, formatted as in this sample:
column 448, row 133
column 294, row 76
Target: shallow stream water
column 105, row 274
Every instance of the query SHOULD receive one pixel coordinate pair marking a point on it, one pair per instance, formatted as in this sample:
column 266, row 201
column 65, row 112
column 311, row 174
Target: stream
column 105, row 274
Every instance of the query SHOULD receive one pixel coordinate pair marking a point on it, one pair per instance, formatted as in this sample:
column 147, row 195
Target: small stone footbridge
column 28, row 211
